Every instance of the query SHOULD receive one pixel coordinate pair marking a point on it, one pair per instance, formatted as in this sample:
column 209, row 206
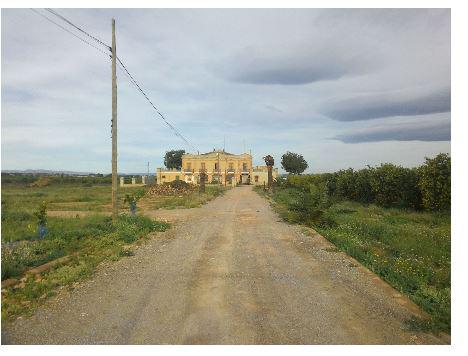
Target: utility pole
column 115, row 209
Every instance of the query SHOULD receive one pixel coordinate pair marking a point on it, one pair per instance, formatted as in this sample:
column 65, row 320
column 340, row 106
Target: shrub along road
column 229, row 272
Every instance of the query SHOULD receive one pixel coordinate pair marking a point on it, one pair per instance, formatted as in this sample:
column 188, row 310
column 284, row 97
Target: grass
column 89, row 240
column 60, row 197
column 24, row 199
column 93, row 239
column 408, row 249
column 20, row 202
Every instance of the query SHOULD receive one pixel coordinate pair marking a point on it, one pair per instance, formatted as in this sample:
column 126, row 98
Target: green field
column 20, row 202
column 407, row 248
column 88, row 239
column 60, row 197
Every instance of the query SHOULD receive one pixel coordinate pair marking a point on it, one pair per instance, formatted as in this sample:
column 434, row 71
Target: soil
column 229, row 272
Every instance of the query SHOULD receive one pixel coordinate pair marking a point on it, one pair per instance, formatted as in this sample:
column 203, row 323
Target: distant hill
column 69, row 173
column 45, row 171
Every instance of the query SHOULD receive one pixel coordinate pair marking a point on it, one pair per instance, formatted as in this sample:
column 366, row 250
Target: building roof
column 214, row 152
column 218, row 151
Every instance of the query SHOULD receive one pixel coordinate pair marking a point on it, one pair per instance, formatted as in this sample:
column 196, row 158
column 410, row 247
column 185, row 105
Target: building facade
column 219, row 166
column 260, row 175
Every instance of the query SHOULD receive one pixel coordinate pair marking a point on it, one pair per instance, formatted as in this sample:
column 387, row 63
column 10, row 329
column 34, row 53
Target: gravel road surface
column 229, row 272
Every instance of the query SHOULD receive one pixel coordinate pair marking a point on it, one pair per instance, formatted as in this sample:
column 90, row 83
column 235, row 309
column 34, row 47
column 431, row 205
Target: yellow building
column 260, row 175
column 220, row 167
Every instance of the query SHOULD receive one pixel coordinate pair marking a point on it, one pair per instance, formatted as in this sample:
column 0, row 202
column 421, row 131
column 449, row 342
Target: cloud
column 298, row 63
column 387, row 104
column 17, row 96
column 259, row 75
column 416, row 129
column 273, row 108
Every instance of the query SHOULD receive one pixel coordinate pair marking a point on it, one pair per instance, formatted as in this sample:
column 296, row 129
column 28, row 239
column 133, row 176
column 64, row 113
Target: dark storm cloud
column 388, row 104
column 428, row 130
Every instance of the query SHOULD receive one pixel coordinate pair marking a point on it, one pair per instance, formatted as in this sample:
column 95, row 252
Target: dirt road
column 228, row 273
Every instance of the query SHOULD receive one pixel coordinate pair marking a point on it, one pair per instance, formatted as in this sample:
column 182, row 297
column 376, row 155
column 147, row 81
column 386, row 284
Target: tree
column 435, row 182
column 173, row 159
column 345, row 184
column 395, row 186
column 293, row 163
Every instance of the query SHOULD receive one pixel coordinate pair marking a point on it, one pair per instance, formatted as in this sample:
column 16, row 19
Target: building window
column 164, row 177
column 256, row 179
column 231, row 166
column 189, row 167
column 216, row 166
column 203, row 166
column 244, row 167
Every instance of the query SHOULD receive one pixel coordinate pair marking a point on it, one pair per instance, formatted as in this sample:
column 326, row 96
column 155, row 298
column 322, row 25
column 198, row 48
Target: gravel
column 229, row 272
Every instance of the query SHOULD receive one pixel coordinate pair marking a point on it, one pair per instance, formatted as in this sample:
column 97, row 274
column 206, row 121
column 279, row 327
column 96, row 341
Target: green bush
column 41, row 214
column 362, row 186
column 435, row 182
column 306, row 205
column 348, row 184
column 345, row 184
column 395, row 186
column 303, row 182
column 387, row 185
column 69, row 235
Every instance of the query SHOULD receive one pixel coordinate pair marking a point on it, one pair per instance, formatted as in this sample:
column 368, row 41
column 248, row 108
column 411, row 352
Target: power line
column 78, row 28
column 121, row 65
column 81, row 39
column 176, row 132
column 71, row 33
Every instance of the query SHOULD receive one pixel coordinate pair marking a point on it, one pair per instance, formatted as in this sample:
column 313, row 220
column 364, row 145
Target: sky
column 343, row 87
